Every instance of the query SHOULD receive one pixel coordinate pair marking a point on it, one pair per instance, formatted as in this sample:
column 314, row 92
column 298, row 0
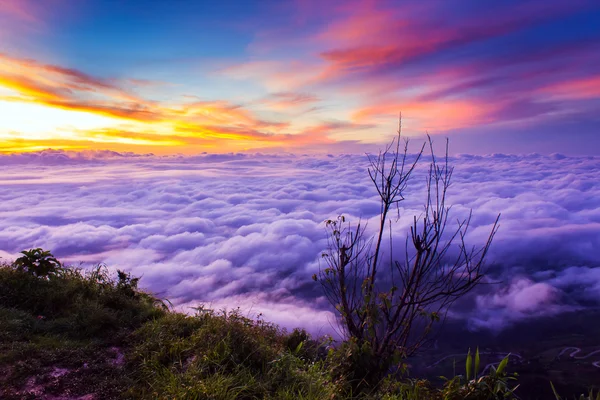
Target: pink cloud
column 522, row 296
column 24, row 10
column 429, row 115
column 277, row 76
column 581, row 88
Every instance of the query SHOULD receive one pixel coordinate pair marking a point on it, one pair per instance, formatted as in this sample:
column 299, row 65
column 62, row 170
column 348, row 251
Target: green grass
column 77, row 323
column 70, row 320
column 72, row 333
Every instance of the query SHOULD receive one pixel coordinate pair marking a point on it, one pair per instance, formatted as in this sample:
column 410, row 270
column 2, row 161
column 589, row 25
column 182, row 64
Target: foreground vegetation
column 66, row 333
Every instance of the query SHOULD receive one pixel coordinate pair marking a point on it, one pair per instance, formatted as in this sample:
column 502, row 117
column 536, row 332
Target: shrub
column 386, row 307
column 38, row 262
column 72, row 301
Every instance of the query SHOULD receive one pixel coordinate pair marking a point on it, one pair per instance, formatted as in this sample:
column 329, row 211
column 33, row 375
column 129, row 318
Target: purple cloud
column 247, row 230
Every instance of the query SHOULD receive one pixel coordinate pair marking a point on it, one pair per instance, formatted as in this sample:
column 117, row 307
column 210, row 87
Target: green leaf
column 468, row 365
column 454, row 367
column 554, row 391
column 476, row 363
column 502, row 365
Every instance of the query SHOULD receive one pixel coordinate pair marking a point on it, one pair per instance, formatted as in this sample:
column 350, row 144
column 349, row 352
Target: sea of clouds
column 247, row 230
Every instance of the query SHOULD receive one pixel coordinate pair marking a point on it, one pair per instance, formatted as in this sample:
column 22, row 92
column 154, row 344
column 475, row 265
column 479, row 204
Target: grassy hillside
column 70, row 334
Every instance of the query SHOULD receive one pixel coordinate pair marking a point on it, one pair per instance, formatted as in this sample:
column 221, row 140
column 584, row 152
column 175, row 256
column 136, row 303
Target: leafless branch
column 394, row 314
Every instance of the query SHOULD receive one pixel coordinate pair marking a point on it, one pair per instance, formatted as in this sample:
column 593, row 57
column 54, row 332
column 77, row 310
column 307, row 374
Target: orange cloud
column 32, row 89
column 70, row 89
column 133, row 111
column 8, row 146
column 191, row 126
column 223, row 112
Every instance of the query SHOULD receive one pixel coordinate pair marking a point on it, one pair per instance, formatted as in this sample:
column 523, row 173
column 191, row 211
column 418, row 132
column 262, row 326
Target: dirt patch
column 62, row 383
column 118, row 358
column 32, row 388
column 58, row 372
column 36, row 386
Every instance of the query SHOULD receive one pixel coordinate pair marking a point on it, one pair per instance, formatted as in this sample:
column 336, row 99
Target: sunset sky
column 291, row 94
column 189, row 77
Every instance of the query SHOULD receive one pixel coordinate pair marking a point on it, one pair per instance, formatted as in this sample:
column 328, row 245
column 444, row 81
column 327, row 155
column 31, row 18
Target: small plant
column 495, row 385
column 127, row 284
column 38, row 262
column 296, row 340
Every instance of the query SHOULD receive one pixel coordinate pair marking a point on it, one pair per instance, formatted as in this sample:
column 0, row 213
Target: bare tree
column 388, row 307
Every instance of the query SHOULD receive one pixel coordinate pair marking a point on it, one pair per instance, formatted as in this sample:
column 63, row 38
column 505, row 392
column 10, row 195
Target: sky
column 299, row 76
column 201, row 145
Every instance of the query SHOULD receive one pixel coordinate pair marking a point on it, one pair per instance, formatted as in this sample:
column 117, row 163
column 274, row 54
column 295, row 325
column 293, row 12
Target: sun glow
column 35, row 121
column 33, row 127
